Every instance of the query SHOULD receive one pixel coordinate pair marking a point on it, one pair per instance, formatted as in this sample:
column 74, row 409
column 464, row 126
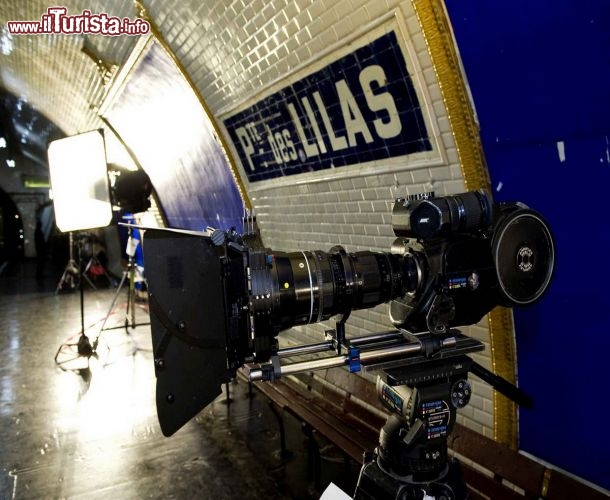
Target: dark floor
column 92, row 434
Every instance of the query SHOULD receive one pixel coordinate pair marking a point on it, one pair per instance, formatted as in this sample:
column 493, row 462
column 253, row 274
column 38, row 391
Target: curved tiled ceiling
column 24, row 130
column 57, row 75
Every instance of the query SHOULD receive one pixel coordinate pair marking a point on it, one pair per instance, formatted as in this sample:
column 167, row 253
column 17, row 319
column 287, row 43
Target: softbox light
column 79, row 179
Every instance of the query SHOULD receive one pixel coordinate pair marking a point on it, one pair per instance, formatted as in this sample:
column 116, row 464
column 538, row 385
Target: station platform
column 90, row 430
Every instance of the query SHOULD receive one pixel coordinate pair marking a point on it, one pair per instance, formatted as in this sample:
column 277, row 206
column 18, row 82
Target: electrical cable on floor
column 78, row 346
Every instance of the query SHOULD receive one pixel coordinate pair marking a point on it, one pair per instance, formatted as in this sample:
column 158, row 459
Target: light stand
column 128, row 274
column 69, row 352
column 71, row 272
column 82, row 348
column 94, row 263
column 81, row 200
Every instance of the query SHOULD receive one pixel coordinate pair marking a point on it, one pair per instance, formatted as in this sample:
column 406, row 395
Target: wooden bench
column 345, row 409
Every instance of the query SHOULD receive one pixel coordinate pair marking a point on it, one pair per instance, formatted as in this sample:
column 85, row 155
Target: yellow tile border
column 438, row 35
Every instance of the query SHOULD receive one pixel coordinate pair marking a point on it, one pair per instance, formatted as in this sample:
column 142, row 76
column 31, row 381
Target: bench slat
column 498, row 458
column 562, row 486
column 343, row 403
column 355, row 429
column 484, row 487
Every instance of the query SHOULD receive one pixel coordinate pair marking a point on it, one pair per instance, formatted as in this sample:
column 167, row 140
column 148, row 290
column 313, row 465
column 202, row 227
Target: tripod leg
column 114, row 299
column 130, row 317
column 61, row 281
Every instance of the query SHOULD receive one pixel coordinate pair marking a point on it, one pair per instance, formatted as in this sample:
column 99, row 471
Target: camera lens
column 297, row 288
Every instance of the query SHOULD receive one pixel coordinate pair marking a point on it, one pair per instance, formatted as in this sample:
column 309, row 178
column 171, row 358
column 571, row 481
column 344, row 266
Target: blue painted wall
column 174, row 134
column 540, row 74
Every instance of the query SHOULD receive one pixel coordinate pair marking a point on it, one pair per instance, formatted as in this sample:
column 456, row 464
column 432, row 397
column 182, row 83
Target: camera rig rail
column 385, row 351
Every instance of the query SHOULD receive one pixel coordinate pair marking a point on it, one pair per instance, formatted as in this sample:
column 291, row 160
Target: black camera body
column 458, row 285
column 218, row 300
column 474, row 255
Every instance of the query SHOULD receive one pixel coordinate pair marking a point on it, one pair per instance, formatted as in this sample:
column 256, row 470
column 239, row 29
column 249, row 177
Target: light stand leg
column 70, row 352
column 84, row 273
column 114, row 299
column 71, row 271
column 64, row 277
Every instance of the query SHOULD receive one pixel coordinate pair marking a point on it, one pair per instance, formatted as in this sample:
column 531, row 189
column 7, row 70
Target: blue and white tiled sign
column 360, row 108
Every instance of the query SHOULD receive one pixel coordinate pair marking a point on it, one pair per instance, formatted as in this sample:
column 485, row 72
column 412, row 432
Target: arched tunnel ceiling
column 52, row 73
column 231, row 49
column 24, row 130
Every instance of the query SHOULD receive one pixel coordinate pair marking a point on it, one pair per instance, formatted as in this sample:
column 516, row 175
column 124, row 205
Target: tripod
column 411, row 461
column 129, row 274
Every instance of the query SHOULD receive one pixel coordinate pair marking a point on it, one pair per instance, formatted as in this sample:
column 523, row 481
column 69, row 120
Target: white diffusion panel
column 79, row 180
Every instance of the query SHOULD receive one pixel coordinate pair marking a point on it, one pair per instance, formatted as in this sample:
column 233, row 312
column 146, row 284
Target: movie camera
column 218, row 301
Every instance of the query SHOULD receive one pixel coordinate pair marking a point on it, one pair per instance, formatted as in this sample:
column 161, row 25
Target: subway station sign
column 360, row 108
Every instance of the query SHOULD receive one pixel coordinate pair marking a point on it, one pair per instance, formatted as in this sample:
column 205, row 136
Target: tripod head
column 423, row 399
column 423, row 394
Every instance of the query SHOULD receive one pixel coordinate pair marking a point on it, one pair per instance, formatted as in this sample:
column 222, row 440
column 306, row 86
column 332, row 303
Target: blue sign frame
column 360, row 108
